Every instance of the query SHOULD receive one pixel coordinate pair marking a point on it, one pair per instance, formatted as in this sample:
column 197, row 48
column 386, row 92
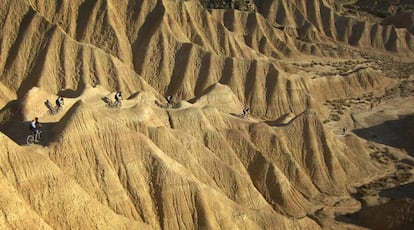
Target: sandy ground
column 388, row 123
column 388, row 129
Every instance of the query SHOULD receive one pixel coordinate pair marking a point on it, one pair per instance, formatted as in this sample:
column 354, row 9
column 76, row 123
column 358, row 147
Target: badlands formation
column 306, row 69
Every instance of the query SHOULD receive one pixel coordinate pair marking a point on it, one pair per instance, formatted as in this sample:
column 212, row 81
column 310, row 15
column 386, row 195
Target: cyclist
column 59, row 102
column 37, row 123
column 35, row 128
column 169, row 101
column 118, row 97
column 246, row 112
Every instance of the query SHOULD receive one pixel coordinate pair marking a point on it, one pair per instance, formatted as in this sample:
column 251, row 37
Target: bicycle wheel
column 30, row 139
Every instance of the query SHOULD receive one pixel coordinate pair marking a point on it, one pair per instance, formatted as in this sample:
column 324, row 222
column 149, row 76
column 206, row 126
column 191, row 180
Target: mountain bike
column 31, row 138
column 171, row 105
column 243, row 115
column 112, row 104
column 53, row 109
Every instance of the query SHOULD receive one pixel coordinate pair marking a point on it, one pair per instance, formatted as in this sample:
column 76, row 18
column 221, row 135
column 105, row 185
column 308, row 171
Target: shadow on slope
column 396, row 133
column 399, row 192
column 393, row 214
column 10, row 111
column 69, row 116
column 283, row 120
column 19, row 130
column 73, row 93
column 13, row 126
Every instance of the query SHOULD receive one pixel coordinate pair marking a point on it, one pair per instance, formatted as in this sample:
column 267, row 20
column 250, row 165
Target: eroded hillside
column 306, row 69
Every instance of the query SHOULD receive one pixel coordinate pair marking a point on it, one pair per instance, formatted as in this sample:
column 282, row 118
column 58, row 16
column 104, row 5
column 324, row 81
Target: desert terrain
column 327, row 144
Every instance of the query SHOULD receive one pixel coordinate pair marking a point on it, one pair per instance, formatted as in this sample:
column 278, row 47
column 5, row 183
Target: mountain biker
column 59, row 102
column 246, row 112
column 169, row 100
column 35, row 128
column 118, row 97
column 37, row 123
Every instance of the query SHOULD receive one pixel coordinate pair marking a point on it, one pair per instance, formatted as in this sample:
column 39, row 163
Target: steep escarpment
column 305, row 70
column 37, row 190
column 401, row 20
column 148, row 168
column 247, row 164
column 182, row 42
column 42, row 54
column 316, row 21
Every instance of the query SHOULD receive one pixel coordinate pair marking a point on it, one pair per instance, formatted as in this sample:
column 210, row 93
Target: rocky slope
column 198, row 164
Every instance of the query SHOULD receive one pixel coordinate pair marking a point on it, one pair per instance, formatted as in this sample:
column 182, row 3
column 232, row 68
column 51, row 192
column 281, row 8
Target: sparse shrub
column 335, row 117
column 404, row 93
column 341, row 101
column 385, row 150
column 338, row 106
column 244, row 5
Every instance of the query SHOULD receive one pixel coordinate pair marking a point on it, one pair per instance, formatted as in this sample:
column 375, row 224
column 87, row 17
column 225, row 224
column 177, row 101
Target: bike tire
column 30, row 139
column 114, row 104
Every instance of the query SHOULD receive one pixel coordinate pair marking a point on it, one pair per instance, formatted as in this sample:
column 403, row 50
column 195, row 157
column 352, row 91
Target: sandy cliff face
column 198, row 164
